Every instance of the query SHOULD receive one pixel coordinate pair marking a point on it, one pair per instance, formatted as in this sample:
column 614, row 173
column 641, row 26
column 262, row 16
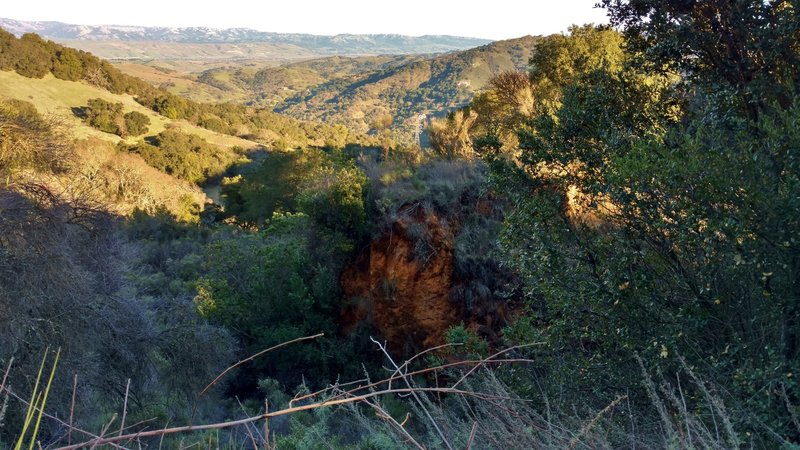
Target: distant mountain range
column 342, row 44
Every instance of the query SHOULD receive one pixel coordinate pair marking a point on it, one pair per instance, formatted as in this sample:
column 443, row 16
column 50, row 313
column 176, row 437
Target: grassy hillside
column 427, row 86
column 57, row 98
column 270, row 86
column 353, row 91
column 179, row 80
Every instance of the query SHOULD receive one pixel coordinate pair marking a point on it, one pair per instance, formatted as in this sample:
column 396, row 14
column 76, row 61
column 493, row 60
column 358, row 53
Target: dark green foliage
column 269, row 288
column 271, row 187
column 136, row 123
column 282, row 283
column 747, row 48
column 170, row 106
column 67, row 64
column 109, row 117
column 328, row 188
column 105, row 116
column 34, row 56
column 334, row 198
column 678, row 247
column 185, row 156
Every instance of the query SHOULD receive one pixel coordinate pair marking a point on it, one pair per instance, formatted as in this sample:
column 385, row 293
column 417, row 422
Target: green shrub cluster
column 182, row 155
column 111, row 118
column 654, row 213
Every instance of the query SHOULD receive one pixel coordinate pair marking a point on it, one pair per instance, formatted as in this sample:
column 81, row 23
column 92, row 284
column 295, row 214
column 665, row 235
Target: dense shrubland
column 654, row 192
column 630, row 204
column 193, row 297
column 111, row 118
column 67, row 280
column 184, row 156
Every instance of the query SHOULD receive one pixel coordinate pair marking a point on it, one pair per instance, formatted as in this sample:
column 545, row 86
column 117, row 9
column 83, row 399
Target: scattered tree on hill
column 382, row 128
column 182, row 155
column 136, row 123
column 109, row 117
column 105, row 116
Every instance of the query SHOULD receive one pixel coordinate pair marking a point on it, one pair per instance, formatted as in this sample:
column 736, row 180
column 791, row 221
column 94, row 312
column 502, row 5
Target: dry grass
column 56, row 98
column 478, row 410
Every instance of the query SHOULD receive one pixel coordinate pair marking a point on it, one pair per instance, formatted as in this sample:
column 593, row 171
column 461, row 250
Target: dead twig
column 221, row 425
column 415, row 373
column 790, row 407
column 471, row 436
column 482, row 362
column 125, row 407
column 5, row 376
column 399, row 426
column 267, row 445
column 247, row 425
column 72, row 408
column 586, row 428
column 414, row 394
column 246, row 360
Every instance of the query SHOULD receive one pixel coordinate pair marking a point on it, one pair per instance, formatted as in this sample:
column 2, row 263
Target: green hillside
column 427, row 86
column 352, row 91
column 270, row 86
column 58, row 98
column 181, row 79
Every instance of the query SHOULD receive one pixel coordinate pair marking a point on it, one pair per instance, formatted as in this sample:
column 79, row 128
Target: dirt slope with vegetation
column 404, row 294
column 429, row 86
column 605, row 243
column 431, row 263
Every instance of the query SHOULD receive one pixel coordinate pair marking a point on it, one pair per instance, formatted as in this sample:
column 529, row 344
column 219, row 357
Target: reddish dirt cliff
column 401, row 285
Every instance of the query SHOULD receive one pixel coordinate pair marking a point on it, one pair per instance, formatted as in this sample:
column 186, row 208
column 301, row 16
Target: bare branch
column 248, row 359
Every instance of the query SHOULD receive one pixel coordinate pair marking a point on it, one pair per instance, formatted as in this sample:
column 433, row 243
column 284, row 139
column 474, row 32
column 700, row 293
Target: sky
column 490, row 19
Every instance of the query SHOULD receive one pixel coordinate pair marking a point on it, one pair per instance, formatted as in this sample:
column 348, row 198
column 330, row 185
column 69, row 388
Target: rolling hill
column 270, row 86
column 428, row 86
column 135, row 42
column 353, row 91
column 58, row 98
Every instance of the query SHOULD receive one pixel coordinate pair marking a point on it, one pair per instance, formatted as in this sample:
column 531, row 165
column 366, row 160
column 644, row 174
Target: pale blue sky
column 492, row 19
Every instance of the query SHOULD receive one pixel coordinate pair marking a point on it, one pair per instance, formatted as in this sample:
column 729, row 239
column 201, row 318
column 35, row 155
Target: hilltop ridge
column 96, row 38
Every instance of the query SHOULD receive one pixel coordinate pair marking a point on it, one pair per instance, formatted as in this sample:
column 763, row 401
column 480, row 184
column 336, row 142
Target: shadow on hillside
column 79, row 112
